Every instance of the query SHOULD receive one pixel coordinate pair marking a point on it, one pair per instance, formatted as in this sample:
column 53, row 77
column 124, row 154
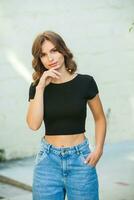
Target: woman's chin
column 57, row 66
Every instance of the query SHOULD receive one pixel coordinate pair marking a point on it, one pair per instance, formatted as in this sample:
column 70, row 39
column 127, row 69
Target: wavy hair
column 60, row 45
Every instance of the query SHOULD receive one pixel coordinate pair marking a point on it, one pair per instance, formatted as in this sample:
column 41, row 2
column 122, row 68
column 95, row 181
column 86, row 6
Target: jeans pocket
column 40, row 156
column 83, row 155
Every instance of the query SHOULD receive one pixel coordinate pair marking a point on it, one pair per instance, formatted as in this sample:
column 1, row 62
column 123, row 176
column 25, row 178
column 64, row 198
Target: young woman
column 58, row 95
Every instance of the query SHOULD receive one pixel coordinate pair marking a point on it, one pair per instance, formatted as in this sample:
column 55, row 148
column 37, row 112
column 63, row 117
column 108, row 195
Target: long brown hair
column 60, row 45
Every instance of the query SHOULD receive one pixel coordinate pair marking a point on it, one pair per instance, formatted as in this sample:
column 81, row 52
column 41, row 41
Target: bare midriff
column 65, row 140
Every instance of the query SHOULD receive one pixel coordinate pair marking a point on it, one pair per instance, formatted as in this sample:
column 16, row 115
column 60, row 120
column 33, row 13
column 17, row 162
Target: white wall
column 98, row 34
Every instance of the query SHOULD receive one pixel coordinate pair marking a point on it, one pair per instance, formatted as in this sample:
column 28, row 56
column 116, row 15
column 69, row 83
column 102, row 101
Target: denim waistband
column 59, row 150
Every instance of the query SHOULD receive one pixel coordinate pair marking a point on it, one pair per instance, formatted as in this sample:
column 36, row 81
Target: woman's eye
column 54, row 50
column 42, row 55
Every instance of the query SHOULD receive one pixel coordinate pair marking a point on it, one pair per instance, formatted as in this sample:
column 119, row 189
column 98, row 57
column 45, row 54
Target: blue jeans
column 61, row 171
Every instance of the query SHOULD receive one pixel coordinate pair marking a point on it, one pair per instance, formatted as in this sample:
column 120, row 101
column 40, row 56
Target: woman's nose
column 50, row 58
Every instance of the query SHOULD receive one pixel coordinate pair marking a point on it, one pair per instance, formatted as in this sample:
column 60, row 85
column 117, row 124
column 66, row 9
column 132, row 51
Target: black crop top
column 65, row 104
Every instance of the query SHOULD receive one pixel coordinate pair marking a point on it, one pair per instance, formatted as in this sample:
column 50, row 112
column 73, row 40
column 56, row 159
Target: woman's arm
column 100, row 121
column 100, row 128
column 35, row 112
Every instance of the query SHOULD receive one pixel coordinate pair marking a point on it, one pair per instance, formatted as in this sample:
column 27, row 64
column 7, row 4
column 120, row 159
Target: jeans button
column 78, row 152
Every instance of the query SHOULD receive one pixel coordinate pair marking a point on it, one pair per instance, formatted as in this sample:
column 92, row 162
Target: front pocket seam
column 82, row 157
column 39, row 157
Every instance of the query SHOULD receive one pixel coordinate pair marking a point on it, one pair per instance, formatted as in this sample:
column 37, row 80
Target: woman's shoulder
column 85, row 76
column 87, row 79
column 89, row 83
column 34, row 83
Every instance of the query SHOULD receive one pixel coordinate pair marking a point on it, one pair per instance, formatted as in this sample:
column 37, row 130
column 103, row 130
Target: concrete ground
column 115, row 171
column 13, row 193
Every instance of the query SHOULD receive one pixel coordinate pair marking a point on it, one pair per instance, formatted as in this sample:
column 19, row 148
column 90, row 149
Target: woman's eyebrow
column 50, row 50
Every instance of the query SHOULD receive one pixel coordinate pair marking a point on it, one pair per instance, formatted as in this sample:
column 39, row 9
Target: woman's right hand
column 48, row 76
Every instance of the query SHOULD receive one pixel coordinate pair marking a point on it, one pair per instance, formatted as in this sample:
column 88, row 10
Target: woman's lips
column 53, row 64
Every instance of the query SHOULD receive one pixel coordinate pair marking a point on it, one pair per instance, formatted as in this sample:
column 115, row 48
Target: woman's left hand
column 93, row 157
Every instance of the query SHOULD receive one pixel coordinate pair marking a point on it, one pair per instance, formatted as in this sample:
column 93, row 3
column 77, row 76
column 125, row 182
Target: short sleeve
column 32, row 90
column 92, row 89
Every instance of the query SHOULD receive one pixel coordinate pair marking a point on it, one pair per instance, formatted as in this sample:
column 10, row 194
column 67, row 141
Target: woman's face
column 50, row 57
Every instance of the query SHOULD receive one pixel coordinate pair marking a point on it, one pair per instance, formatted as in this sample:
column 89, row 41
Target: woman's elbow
column 33, row 126
column 101, row 119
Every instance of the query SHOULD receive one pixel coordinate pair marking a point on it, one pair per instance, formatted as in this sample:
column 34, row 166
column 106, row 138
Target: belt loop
column 48, row 147
column 77, row 150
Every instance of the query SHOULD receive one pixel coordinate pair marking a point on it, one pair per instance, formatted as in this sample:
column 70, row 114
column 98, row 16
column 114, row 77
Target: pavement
column 115, row 172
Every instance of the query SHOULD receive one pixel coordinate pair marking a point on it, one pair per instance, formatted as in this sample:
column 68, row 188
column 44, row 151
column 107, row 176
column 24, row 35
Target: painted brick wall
column 101, row 36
